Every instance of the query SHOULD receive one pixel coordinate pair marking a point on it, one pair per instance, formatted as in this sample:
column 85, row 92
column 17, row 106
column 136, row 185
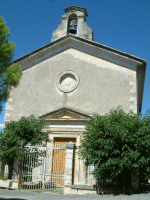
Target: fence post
column 20, row 174
column 68, row 176
column 44, row 170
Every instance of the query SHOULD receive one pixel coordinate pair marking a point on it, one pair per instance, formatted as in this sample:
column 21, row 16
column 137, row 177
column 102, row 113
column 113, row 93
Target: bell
column 73, row 24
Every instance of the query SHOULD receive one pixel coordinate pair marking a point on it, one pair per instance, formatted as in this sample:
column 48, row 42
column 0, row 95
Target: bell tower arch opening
column 73, row 22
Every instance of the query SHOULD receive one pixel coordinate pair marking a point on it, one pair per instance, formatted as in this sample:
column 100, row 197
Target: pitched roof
column 92, row 48
column 86, row 42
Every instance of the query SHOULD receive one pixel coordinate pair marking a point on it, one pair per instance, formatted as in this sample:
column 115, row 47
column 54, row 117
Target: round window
column 67, row 81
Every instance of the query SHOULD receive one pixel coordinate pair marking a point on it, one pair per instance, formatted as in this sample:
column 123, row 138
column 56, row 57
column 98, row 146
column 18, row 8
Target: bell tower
column 73, row 22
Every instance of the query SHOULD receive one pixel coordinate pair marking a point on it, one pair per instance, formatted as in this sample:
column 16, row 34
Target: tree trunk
column 10, row 173
column 2, row 169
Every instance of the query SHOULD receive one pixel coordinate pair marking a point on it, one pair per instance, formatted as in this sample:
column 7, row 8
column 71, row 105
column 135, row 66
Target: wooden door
column 59, row 160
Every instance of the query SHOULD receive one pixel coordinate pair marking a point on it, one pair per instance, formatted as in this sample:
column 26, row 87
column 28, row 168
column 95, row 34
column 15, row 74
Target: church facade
column 73, row 77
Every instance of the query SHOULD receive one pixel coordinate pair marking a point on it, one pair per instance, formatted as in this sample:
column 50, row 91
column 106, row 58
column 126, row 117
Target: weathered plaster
column 103, row 86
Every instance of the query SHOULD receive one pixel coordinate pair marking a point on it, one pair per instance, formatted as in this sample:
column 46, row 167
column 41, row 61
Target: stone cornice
column 81, row 44
column 76, row 8
column 65, row 120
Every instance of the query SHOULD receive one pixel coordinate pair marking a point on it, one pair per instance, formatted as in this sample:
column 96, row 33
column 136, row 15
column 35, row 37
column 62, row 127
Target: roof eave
column 96, row 44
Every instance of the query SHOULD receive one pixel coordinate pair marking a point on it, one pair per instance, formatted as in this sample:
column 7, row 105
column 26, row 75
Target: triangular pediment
column 65, row 114
column 89, row 47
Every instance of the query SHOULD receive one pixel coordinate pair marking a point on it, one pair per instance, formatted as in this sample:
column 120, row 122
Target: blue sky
column 120, row 24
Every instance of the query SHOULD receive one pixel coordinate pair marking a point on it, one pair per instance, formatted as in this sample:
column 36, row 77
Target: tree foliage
column 17, row 134
column 10, row 74
column 118, row 144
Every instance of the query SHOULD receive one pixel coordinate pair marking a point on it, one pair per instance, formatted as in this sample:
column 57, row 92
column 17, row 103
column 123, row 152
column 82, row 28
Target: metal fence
column 83, row 174
column 43, row 168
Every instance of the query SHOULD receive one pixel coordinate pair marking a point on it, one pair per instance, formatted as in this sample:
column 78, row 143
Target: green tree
column 118, row 144
column 16, row 135
column 10, row 74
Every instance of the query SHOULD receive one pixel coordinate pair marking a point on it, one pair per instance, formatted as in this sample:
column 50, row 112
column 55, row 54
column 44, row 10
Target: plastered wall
column 102, row 86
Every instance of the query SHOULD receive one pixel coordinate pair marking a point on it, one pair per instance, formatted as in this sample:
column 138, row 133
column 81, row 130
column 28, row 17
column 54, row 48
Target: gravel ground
column 27, row 195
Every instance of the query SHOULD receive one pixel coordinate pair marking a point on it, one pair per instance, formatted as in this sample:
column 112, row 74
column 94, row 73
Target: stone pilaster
column 68, row 178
